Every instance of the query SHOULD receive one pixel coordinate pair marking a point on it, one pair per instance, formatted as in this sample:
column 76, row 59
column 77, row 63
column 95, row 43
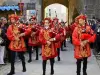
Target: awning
column 3, row 8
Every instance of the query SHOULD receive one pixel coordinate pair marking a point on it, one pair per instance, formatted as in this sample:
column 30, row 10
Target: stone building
column 28, row 5
column 75, row 7
column 92, row 8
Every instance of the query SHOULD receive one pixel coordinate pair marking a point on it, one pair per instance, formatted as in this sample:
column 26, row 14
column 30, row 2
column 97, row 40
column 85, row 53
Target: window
column 31, row 6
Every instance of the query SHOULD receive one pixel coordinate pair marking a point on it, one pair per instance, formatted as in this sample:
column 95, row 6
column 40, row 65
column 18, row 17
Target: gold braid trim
column 82, row 51
column 47, row 49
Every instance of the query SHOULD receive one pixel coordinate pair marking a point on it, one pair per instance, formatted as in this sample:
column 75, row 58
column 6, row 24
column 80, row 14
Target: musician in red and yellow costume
column 55, row 22
column 57, row 31
column 67, row 32
column 48, row 38
column 72, row 27
column 34, row 37
column 17, row 43
column 82, row 36
column 62, row 31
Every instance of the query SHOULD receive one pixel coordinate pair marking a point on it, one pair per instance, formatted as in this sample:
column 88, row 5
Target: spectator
column 2, row 39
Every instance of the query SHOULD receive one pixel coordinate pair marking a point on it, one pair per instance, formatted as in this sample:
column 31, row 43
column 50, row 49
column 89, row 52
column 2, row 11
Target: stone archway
column 57, row 10
column 70, row 4
column 46, row 3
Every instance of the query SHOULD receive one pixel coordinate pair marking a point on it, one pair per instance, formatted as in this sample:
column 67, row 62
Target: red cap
column 33, row 17
column 48, row 20
column 55, row 19
column 14, row 16
column 81, row 17
column 60, row 23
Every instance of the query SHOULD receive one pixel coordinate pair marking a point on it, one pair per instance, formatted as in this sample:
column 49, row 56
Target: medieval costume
column 62, row 31
column 17, row 44
column 56, row 30
column 72, row 27
column 47, row 38
column 82, row 36
column 34, row 38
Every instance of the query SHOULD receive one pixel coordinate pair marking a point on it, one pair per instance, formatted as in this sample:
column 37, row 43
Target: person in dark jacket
column 7, row 55
column 2, row 39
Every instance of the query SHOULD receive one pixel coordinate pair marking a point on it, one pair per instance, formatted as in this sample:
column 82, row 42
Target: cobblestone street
column 67, row 65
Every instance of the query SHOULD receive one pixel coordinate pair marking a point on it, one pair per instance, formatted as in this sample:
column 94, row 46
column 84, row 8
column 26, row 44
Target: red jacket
column 62, row 32
column 34, row 40
column 48, row 51
column 67, row 31
column 57, row 31
column 71, row 28
column 77, row 37
column 12, row 33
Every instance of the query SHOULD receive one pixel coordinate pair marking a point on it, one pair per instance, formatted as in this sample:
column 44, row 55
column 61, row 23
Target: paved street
column 67, row 65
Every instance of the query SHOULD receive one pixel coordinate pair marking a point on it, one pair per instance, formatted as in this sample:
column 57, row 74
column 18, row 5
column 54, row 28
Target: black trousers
column 64, row 43
column 62, row 47
column 51, row 63
column 8, row 55
column 71, row 39
column 21, row 56
column 58, row 51
column 79, row 65
column 30, row 52
column 98, row 47
column 26, row 43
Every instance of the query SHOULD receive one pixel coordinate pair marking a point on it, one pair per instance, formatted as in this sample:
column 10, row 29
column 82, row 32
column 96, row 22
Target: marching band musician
column 34, row 37
column 71, row 28
column 56, row 29
column 62, row 32
column 17, row 43
column 66, row 27
column 47, row 38
column 82, row 36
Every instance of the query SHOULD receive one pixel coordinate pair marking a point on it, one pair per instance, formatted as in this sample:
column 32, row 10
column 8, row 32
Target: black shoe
column 63, row 50
column 11, row 73
column 3, row 64
column 36, row 59
column 43, row 74
column 29, row 61
column 78, row 74
column 65, row 46
column 52, row 72
column 58, row 58
column 40, row 54
column 84, row 73
column 24, row 67
column 24, row 70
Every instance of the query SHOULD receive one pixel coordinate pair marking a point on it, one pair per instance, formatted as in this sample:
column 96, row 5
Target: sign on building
column 31, row 6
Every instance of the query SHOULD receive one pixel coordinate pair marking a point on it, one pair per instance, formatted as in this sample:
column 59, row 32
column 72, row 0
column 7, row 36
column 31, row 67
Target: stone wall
column 92, row 8
column 1, row 2
column 75, row 7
